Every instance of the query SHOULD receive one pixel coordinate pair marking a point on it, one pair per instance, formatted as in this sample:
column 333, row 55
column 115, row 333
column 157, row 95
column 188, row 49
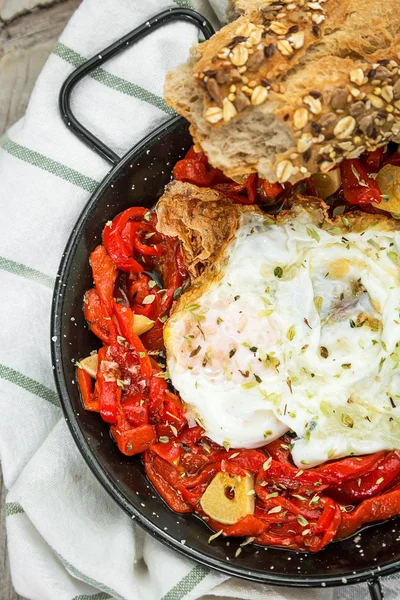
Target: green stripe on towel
column 36, row 388
column 100, row 596
column 113, row 81
column 88, row 580
column 26, row 272
column 13, row 508
column 51, row 166
column 185, row 4
column 187, row 584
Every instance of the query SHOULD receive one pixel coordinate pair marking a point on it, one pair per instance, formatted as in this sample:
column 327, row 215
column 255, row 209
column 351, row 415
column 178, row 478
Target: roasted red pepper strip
column 371, row 484
column 269, row 191
column 98, row 319
column 350, row 468
column 358, row 186
column 169, row 451
column 136, row 413
column 142, row 248
column 205, row 475
column 166, row 491
column 199, row 156
column 248, row 460
column 165, row 469
column 293, row 478
column 327, row 525
column 393, row 159
column 293, row 506
column 248, row 526
column 193, row 462
column 85, row 383
column 156, row 398
column 284, row 541
column 280, row 452
column 382, row 507
column 191, row 435
column 373, row 160
column 135, row 440
column 104, row 275
column 109, row 391
column 125, row 318
column 251, row 187
column 193, row 496
column 116, row 247
column 193, row 171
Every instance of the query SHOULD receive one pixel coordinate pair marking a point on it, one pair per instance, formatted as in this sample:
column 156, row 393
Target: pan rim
column 107, row 482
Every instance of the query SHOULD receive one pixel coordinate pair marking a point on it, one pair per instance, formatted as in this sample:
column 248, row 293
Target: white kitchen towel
column 67, row 539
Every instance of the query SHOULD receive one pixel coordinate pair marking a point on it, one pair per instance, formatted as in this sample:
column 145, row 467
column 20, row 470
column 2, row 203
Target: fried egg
column 297, row 328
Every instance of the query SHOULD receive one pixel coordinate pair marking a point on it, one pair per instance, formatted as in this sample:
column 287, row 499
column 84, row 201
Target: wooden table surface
column 29, row 30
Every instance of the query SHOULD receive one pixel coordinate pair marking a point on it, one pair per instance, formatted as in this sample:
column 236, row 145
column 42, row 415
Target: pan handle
column 375, row 589
column 167, row 16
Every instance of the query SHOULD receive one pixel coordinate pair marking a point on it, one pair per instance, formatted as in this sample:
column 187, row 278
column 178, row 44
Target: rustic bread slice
column 293, row 87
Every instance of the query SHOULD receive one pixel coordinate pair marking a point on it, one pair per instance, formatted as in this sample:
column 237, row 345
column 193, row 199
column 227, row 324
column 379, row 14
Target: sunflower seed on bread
column 314, row 82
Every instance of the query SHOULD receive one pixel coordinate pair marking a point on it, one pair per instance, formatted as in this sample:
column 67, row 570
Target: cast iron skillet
column 139, row 178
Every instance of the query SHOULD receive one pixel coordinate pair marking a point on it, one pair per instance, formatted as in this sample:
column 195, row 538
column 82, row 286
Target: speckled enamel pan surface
column 139, row 179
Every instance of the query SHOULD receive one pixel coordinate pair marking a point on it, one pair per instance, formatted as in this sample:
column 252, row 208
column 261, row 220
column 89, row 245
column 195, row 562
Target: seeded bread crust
column 293, row 87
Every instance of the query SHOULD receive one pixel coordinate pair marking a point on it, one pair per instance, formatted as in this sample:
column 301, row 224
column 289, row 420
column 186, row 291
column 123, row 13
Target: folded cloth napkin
column 67, row 539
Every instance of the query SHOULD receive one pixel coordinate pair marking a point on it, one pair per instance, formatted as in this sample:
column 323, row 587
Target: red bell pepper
column 247, row 460
column 136, row 413
column 109, row 391
column 280, row 451
column 166, row 491
column 251, row 187
column 393, row 159
column 116, row 247
column 382, row 507
column 293, row 478
column 370, row 484
column 373, row 160
column 192, row 463
column 350, row 468
column 327, row 525
column 139, row 245
column 192, row 435
column 193, row 496
column 199, row 156
column 268, row 191
column 293, row 505
column 204, row 476
column 165, row 469
column 85, row 384
column 125, row 318
column 104, row 275
column 247, row 526
column 358, row 186
column 169, row 451
column 193, row 171
column 97, row 317
column 135, row 440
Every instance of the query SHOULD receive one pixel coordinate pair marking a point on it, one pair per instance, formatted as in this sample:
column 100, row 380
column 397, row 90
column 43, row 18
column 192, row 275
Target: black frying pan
column 139, row 178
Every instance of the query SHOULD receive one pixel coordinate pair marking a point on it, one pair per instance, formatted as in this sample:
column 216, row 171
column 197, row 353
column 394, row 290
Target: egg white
column 300, row 331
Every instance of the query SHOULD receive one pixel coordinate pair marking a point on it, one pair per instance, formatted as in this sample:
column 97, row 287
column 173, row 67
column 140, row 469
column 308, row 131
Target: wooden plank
column 25, row 43
column 10, row 9
column 29, row 30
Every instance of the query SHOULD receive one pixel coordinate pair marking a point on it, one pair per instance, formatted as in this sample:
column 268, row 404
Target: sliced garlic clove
column 141, row 324
column 90, row 365
column 229, row 498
